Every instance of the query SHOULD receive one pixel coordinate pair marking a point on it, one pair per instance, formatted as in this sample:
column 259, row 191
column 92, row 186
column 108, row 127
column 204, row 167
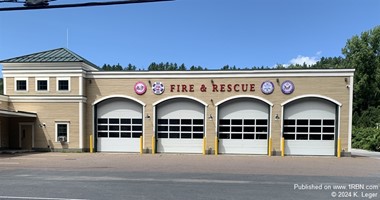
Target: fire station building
column 58, row 101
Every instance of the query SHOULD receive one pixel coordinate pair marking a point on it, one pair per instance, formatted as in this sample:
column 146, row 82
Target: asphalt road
column 54, row 176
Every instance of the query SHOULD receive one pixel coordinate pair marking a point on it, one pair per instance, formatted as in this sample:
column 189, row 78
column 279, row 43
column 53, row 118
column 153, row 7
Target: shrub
column 366, row 138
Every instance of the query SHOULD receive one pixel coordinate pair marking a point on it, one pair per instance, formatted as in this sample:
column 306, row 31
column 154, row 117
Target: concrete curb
column 365, row 153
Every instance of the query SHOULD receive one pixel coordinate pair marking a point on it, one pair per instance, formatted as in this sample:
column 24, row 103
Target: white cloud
column 300, row 59
column 304, row 59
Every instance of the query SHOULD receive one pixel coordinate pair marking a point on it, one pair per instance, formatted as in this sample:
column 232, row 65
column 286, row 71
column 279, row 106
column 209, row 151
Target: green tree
column 363, row 53
column 330, row 62
column 130, row 67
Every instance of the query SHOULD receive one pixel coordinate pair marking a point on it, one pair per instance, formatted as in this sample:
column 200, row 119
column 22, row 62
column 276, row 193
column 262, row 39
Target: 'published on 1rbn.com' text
column 349, row 191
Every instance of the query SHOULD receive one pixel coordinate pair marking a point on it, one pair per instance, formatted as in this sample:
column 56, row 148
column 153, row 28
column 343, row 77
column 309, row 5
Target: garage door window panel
column 238, row 129
column 261, row 136
column 249, row 122
column 180, row 128
column 125, row 134
column 198, row 129
column 243, row 129
column 261, row 129
column 136, row 134
column 125, row 128
column 185, row 121
column 328, row 137
column 236, row 136
column 119, row 127
column 309, row 129
column 315, row 137
column 302, row 136
column 174, row 135
column 249, row 129
column 114, row 134
column 249, row 136
column 125, row 121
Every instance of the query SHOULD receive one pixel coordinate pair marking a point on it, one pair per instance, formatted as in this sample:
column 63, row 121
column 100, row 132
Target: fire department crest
column 158, row 88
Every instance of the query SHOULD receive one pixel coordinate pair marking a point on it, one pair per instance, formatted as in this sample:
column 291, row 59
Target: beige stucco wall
column 331, row 87
column 49, row 113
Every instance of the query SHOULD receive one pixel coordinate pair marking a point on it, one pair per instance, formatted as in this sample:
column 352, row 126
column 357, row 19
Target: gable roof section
column 50, row 56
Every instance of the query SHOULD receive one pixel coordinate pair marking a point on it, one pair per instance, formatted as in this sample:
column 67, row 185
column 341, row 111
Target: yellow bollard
column 141, row 144
column 153, row 145
column 216, row 146
column 338, row 148
column 204, row 145
column 282, row 147
column 91, row 144
column 270, row 147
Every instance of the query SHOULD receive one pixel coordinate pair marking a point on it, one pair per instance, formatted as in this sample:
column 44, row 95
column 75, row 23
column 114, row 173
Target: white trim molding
column 63, row 79
column 118, row 96
column 42, row 79
column 312, row 96
column 180, row 96
column 350, row 107
column 222, row 73
column 81, row 120
column 245, row 96
column 67, row 123
column 21, row 79
column 47, row 99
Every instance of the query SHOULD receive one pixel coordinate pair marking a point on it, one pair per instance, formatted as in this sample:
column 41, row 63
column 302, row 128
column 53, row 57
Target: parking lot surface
column 98, row 176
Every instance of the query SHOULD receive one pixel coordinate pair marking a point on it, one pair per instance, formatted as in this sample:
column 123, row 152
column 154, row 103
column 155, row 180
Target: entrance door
column 26, row 136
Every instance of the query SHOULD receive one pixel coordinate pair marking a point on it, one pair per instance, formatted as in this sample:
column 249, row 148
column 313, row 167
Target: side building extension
column 55, row 100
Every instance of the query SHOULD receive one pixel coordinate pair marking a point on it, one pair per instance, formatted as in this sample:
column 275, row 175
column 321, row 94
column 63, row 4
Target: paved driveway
column 68, row 176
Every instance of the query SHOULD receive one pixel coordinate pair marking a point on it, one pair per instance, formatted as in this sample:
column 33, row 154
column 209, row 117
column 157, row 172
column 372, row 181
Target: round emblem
column 267, row 87
column 158, row 88
column 140, row 88
column 287, row 87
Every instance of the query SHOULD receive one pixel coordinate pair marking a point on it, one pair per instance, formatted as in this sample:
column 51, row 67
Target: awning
column 7, row 113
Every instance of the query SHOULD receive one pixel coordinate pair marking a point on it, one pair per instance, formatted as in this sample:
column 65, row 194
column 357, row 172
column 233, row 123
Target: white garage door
column 310, row 127
column 119, row 125
column 243, row 127
column 180, row 126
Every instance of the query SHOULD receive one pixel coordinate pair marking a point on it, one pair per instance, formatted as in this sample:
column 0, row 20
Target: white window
column 21, row 84
column 42, row 84
column 63, row 84
column 62, row 132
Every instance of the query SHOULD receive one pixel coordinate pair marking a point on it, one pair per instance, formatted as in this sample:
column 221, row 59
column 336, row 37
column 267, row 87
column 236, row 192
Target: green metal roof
column 55, row 55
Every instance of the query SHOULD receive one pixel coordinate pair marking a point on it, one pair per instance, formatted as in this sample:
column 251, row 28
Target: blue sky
column 209, row 33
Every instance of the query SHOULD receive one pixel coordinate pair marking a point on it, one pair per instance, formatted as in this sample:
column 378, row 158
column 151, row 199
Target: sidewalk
column 365, row 153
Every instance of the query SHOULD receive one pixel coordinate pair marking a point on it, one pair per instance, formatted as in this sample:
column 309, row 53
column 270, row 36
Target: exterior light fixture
column 210, row 117
column 147, row 116
column 276, row 117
